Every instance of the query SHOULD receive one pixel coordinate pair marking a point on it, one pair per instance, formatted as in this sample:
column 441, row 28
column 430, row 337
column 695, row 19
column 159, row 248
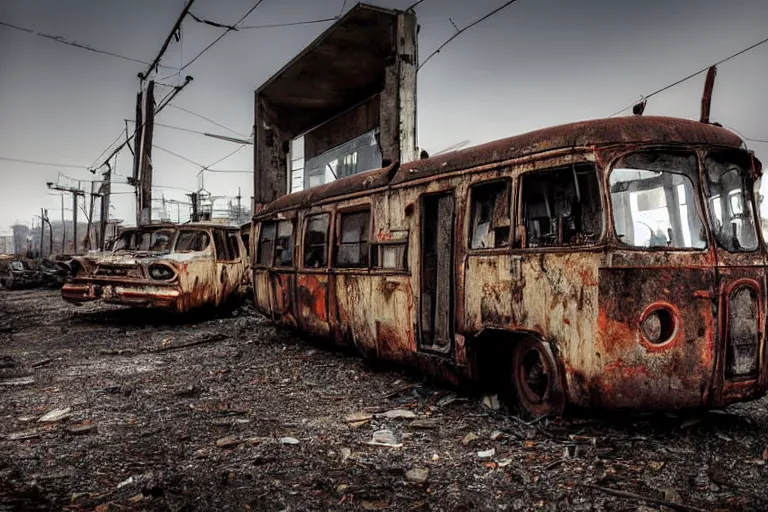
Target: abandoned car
column 174, row 267
column 614, row 263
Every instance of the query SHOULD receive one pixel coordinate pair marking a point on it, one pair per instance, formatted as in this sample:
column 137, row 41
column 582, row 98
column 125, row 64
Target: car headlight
column 658, row 325
column 161, row 272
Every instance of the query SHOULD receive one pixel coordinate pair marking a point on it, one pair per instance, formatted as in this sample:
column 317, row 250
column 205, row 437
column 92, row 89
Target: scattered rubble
column 205, row 427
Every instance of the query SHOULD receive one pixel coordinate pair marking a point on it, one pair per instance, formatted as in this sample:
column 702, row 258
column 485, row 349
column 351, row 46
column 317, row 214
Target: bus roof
column 594, row 133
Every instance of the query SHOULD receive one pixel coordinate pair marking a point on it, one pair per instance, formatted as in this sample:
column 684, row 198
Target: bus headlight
column 161, row 272
column 658, row 325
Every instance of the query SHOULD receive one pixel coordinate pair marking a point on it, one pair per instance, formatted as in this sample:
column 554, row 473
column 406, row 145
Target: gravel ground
column 202, row 412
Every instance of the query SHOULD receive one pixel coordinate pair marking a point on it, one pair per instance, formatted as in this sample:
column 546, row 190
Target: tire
column 536, row 380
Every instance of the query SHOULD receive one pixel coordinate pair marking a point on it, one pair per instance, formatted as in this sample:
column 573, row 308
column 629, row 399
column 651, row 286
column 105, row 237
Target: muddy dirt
column 148, row 411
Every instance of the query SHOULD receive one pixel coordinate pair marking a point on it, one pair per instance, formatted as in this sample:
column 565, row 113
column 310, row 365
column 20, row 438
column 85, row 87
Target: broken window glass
column 284, row 245
column 353, row 243
column 490, row 215
column 316, row 241
column 653, row 201
column 222, row 245
column 729, row 183
column 192, row 241
column 233, row 246
column 562, row 207
column 267, row 243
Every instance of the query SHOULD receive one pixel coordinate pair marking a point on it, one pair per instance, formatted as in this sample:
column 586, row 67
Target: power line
column 454, row 36
column 107, row 148
column 761, row 141
column 292, row 24
column 177, row 155
column 206, row 119
column 174, row 33
column 654, row 93
column 342, row 7
column 224, row 158
column 230, row 29
column 414, row 5
column 74, row 44
column 47, row 164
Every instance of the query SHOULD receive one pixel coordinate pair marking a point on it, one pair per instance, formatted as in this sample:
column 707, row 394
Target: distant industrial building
column 6, row 243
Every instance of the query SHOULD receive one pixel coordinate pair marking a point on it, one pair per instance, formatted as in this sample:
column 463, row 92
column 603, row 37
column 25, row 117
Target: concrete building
column 344, row 105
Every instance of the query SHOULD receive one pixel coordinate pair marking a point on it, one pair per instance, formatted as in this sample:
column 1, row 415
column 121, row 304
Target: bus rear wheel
column 536, row 380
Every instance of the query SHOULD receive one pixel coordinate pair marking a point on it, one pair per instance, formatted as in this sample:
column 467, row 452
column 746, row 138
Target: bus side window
column 284, row 246
column 234, row 247
column 352, row 250
column 490, row 225
column 316, row 241
column 561, row 207
column 266, row 243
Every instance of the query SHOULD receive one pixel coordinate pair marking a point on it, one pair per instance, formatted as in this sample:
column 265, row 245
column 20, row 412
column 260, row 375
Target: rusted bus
column 611, row 263
column 167, row 266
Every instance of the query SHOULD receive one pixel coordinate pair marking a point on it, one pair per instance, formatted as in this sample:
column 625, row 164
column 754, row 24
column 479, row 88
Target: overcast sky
column 535, row 64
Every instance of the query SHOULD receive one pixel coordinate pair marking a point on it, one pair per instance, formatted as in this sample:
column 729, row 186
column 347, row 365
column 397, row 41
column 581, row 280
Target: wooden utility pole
column 138, row 134
column 145, row 179
column 42, row 233
column 74, row 223
column 63, row 228
column 104, row 192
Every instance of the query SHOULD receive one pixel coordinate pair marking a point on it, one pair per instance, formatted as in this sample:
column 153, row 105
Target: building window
column 316, row 241
column 284, row 245
column 561, row 207
column 491, row 220
column 267, row 243
column 352, row 250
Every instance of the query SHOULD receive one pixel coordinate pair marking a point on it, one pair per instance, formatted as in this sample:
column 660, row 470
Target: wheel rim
column 534, row 376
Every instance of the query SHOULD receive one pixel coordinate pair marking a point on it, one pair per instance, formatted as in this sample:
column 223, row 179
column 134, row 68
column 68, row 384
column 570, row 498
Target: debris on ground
column 204, row 412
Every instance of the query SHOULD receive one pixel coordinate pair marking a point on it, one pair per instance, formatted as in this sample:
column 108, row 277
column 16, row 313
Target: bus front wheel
column 536, row 380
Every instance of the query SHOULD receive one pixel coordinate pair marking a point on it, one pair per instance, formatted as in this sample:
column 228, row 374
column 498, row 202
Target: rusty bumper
column 165, row 296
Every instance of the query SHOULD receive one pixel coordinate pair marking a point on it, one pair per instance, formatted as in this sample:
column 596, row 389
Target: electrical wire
column 47, row 164
column 108, row 148
column 177, row 155
column 342, row 7
column 74, row 44
column 291, row 24
column 654, row 93
column 761, row 141
column 205, row 118
column 414, row 5
column 457, row 34
column 185, row 66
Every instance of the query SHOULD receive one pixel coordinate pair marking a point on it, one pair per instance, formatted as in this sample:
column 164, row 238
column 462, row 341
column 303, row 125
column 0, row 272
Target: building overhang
column 343, row 67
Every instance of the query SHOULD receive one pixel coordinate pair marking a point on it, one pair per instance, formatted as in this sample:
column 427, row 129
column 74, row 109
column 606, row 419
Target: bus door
column 741, row 276
column 437, row 273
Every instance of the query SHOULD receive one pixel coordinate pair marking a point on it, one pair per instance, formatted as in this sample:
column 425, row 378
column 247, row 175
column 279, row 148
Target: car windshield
column 729, row 193
column 652, row 195
column 155, row 240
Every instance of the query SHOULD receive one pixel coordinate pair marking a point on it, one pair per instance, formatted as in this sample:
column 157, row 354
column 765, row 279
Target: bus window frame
column 336, row 242
column 512, row 183
column 701, row 208
column 305, row 219
column 520, row 234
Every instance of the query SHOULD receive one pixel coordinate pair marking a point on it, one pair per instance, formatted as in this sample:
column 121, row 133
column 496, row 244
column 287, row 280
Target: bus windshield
column 653, row 200
column 729, row 193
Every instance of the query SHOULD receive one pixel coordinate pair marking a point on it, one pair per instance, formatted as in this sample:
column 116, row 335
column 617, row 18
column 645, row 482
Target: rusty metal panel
column 312, row 303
